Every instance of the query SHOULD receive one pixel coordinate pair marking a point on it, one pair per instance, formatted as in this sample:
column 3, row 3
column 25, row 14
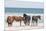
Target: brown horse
column 10, row 20
column 19, row 19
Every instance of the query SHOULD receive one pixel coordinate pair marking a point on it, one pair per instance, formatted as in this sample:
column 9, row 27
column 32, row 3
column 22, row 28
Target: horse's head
column 10, row 19
column 24, row 15
column 39, row 17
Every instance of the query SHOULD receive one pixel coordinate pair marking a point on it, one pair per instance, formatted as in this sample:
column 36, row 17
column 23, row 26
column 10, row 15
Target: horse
column 27, row 19
column 10, row 20
column 19, row 19
column 35, row 19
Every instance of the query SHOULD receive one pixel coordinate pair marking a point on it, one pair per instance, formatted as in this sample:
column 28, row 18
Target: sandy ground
column 16, row 26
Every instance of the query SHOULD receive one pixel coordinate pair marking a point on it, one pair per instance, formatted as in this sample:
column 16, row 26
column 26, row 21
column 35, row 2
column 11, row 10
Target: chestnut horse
column 10, row 19
column 19, row 19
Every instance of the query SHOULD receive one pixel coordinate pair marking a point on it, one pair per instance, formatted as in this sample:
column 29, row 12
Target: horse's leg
column 28, row 23
column 25, row 22
column 9, row 24
column 33, row 22
column 20, row 23
column 36, row 22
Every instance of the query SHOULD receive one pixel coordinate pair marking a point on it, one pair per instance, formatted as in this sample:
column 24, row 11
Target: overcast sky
column 24, row 4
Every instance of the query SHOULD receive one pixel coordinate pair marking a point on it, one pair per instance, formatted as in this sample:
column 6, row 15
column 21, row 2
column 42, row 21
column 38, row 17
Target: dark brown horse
column 35, row 19
column 10, row 20
column 27, row 19
column 19, row 19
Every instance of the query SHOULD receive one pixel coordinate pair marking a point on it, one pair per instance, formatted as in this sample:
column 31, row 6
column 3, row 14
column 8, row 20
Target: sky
column 24, row 3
